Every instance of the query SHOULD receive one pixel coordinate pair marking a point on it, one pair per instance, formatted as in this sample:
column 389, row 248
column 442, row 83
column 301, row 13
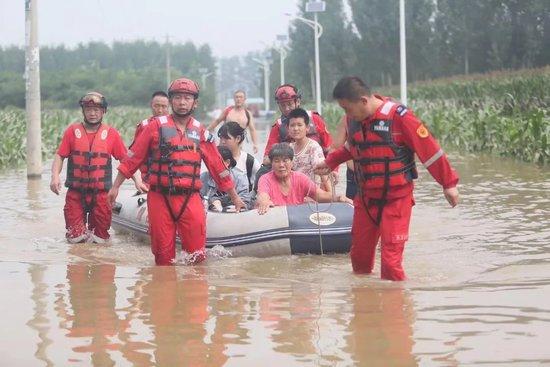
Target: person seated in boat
column 218, row 200
column 232, row 135
column 283, row 186
column 307, row 152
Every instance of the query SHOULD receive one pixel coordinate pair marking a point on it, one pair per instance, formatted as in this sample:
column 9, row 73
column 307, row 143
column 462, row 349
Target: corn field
column 504, row 113
column 54, row 122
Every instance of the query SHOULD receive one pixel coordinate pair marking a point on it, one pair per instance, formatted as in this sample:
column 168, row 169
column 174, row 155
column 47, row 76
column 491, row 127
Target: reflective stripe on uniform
column 433, row 158
column 387, row 107
column 224, row 173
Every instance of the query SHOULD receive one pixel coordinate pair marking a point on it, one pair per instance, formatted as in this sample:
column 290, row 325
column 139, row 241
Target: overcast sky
column 231, row 27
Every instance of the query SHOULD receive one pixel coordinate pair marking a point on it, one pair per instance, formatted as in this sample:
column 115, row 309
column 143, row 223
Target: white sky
column 231, row 27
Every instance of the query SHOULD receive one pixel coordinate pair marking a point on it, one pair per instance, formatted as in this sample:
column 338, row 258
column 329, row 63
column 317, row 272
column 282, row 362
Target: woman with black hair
column 232, row 135
column 219, row 200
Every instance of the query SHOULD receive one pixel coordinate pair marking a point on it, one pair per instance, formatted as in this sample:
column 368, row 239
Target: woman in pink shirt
column 282, row 186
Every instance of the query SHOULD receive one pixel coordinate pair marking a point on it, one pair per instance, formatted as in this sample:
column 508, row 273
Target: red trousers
column 99, row 219
column 191, row 226
column 393, row 232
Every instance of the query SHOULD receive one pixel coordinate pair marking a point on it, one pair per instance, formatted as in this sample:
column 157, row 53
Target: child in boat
column 218, row 200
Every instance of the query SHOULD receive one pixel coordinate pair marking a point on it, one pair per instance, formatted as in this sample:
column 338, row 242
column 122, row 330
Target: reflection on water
column 477, row 292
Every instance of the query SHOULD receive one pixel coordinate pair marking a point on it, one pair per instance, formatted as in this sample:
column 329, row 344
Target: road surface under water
column 477, row 291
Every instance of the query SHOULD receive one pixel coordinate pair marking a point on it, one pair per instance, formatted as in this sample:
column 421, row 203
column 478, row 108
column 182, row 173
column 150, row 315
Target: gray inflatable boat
column 281, row 231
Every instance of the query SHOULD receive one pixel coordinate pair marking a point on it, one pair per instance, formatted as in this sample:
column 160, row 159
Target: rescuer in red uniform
column 288, row 99
column 383, row 137
column 173, row 147
column 89, row 146
column 159, row 107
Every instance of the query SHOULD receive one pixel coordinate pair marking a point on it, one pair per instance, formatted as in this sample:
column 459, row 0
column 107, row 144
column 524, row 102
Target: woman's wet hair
column 281, row 150
column 227, row 155
column 231, row 129
column 299, row 113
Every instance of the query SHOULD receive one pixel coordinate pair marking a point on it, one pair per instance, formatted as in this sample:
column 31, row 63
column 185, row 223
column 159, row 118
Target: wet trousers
column 191, row 226
column 98, row 219
column 393, row 232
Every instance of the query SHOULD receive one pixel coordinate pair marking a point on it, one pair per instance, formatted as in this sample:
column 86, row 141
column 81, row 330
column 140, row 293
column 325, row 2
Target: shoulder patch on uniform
column 278, row 122
column 145, row 122
column 208, row 137
column 196, row 123
column 401, row 110
column 163, row 119
column 387, row 107
column 104, row 134
column 77, row 133
column 422, row 131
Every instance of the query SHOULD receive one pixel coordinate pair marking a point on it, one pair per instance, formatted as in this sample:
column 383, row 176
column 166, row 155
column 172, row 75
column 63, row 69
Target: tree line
column 360, row 37
column 444, row 38
column 125, row 72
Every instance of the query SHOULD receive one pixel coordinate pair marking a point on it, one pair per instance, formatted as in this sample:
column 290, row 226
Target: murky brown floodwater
column 477, row 294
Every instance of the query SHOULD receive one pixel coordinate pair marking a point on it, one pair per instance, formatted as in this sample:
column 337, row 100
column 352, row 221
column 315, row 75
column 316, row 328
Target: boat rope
column 317, row 211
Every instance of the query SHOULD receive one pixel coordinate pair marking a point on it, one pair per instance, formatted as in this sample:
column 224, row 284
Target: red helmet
column 93, row 99
column 286, row 92
column 183, row 85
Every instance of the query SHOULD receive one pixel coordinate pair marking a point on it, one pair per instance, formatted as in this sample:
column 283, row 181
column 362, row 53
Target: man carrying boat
column 89, row 146
column 383, row 137
column 173, row 147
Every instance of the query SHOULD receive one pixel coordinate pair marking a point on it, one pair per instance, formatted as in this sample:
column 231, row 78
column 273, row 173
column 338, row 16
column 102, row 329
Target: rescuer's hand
column 322, row 169
column 55, row 184
column 451, row 194
column 141, row 187
column 112, row 194
column 236, row 200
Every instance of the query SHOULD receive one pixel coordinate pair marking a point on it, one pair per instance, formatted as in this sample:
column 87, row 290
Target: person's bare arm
column 340, row 136
column 57, row 166
column 253, row 134
column 216, row 122
column 323, row 196
column 263, row 202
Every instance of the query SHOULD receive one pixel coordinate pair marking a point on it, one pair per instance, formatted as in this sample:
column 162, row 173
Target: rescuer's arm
column 57, row 166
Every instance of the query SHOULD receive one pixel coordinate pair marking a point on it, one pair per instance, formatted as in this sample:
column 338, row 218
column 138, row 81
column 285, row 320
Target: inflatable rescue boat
column 284, row 230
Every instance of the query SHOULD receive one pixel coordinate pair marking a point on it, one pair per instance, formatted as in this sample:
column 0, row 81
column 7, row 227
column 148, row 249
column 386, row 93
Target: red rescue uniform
column 317, row 131
column 382, row 148
column 139, row 129
column 89, row 177
column 173, row 202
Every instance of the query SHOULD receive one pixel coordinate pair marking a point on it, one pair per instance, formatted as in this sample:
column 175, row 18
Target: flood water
column 477, row 292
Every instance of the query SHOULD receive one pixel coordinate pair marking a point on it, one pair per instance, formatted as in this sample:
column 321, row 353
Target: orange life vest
column 89, row 166
column 173, row 167
column 380, row 163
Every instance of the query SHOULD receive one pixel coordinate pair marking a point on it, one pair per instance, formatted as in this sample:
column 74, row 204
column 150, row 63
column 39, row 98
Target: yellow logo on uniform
column 422, row 131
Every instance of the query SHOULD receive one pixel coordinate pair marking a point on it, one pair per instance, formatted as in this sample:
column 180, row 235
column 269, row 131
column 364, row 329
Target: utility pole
column 264, row 63
column 32, row 91
column 168, row 76
column 403, row 51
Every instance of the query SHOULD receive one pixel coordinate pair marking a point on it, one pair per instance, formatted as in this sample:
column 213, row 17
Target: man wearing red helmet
column 89, row 146
column 383, row 138
column 288, row 99
column 173, row 147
